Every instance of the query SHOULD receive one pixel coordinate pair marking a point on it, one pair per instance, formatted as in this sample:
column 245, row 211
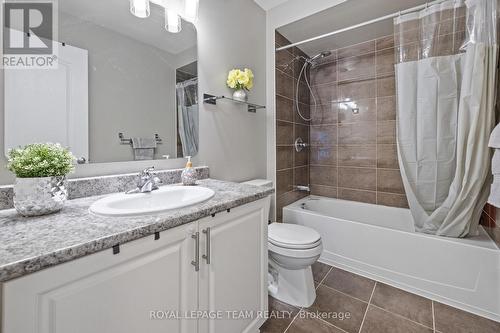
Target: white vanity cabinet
column 105, row 293
column 135, row 290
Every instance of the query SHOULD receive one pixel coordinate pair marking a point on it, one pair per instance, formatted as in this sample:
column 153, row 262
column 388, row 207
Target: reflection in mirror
column 117, row 73
column 187, row 110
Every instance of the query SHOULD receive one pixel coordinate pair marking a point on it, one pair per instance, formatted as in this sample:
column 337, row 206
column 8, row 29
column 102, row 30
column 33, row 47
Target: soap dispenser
column 188, row 175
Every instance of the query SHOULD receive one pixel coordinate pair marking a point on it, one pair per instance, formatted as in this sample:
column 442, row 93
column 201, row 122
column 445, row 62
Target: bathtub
column 380, row 243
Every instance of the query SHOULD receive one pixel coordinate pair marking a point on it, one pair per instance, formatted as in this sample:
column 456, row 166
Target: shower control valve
column 300, row 145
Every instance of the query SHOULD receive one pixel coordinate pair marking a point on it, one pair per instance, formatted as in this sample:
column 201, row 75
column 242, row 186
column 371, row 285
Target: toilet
column 292, row 251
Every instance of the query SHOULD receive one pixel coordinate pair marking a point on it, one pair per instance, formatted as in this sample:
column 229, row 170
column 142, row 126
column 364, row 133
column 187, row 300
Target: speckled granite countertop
column 28, row 245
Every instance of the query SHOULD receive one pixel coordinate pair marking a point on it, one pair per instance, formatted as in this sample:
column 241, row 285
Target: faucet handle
column 156, row 183
column 147, row 171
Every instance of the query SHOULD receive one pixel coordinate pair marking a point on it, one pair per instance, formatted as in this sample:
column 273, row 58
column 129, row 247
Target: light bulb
column 140, row 8
column 191, row 10
column 172, row 21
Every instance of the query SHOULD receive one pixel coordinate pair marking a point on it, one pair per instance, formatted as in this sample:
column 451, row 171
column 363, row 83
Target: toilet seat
column 296, row 253
column 293, row 236
column 295, row 246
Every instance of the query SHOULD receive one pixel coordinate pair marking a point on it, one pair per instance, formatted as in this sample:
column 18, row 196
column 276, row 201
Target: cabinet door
column 234, row 283
column 106, row 293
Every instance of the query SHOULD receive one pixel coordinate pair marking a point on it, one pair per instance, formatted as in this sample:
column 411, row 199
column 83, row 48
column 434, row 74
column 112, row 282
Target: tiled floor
column 374, row 307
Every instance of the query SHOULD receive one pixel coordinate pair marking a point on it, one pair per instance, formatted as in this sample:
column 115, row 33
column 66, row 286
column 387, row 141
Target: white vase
column 240, row 95
column 40, row 196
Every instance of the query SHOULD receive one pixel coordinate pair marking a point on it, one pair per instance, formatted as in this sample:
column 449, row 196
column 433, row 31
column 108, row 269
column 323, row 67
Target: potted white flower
column 40, row 170
column 241, row 81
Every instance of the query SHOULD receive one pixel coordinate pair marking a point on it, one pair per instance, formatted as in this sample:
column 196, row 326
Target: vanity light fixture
column 140, row 8
column 174, row 11
column 172, row 21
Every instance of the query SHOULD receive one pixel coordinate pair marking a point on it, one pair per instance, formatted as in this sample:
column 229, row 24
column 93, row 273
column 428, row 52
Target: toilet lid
column 292, row 234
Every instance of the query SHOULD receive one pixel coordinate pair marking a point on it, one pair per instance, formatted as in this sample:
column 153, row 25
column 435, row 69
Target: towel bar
column 125, row 141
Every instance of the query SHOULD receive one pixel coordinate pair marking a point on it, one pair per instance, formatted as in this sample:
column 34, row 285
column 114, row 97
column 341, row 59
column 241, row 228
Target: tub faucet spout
column 302, row 188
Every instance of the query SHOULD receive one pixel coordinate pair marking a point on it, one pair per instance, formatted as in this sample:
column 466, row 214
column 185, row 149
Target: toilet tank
column 259, row 182
column 262, row 182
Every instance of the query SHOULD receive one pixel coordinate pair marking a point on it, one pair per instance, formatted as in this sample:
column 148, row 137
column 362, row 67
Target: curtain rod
column 359, row 25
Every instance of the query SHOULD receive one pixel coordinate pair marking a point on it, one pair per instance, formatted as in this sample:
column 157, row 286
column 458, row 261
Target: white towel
column 494, row 198
column 142, row 143
column 144, row 148
column 495, row 138
column 495, row 162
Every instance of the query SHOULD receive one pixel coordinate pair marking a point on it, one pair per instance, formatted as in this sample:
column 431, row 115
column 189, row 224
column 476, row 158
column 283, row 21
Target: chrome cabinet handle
column 196, row 261
column 206, row 256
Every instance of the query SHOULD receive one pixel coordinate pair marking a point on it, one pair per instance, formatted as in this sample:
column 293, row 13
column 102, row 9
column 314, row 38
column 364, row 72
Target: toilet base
column 294, row 287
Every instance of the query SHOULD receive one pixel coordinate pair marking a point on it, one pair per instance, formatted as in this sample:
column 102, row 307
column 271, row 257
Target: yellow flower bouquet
column 240, row 79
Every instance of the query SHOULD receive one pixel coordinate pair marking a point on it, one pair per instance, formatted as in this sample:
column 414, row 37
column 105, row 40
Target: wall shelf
column 212, row 99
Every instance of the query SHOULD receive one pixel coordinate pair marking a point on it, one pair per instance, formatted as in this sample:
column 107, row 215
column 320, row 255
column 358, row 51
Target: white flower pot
column 39, row 196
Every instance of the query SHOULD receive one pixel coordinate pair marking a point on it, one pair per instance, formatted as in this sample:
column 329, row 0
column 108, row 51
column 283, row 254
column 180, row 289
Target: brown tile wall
column 292, row 168
column 353, row 156
column 440, row 34
column 490, row 224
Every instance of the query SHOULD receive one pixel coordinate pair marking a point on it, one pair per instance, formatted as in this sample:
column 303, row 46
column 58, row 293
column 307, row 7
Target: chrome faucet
column 300, row 145
column 302, row 188
column 147, row 182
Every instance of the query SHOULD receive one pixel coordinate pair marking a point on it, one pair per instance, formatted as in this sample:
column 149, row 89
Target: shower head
column 307, row 61
column 320, row 55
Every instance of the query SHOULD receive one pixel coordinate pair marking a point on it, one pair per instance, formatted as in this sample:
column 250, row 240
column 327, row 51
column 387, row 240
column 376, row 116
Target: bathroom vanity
column 201, row 268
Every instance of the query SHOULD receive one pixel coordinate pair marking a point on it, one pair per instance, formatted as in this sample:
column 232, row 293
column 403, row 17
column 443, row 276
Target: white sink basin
column 156, row 202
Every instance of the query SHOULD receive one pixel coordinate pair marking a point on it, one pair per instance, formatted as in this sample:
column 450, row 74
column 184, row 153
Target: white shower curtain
column 446, row 80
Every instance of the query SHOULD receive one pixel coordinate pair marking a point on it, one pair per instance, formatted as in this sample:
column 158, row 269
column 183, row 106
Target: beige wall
column 231, row 33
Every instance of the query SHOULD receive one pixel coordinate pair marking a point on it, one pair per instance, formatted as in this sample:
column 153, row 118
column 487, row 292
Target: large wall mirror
column 125, row 88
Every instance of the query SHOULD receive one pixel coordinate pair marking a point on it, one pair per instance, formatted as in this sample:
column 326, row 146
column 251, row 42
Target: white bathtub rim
column 492, row 246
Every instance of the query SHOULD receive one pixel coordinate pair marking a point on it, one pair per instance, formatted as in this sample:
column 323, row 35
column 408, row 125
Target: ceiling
column 341, row 16
column 268, row 4
column 115, row 15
